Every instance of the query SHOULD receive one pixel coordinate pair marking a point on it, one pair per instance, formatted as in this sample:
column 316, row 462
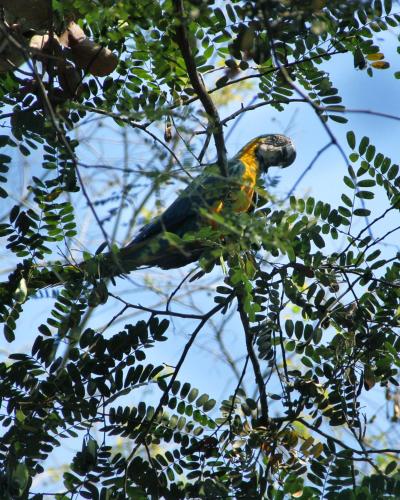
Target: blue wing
column 183, row 214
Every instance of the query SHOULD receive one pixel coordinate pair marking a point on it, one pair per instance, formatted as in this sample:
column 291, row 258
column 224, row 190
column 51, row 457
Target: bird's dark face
column 275, row 150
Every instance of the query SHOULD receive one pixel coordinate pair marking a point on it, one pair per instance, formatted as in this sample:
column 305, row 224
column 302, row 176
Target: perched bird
column 213, row 191
column 159, row 243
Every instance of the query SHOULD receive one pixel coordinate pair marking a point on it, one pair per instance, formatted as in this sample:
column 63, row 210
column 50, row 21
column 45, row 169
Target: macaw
column 159, row 243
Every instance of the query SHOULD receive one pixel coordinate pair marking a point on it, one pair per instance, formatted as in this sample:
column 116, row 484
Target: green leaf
column 363, row 145
column 354, row 157
column 220, row 17
column 209, row 405
column 351, row 139
column 318, row 240
column 391, row 467
column 346, row 200
column 290, row 253
column 334, row 99
column 9, row 333
column 20, row 475
column 393, row 172
column 230, row 12
column 338, row 118
column 344, row 211
column 362, row 16
column 365, row 195
column 359, row 59
column 370, row 153
column 366, row 183
column 310, row 205
column 201, row 400
column 362, row 212
column 185, row 390
column 298, row 329
column 388, row 6
column 307, row 362
column 192, row 395
column 349, row 183
column 289, row 327
column 373, row 255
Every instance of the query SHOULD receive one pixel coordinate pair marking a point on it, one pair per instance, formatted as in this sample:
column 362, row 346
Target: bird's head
column 272, row 150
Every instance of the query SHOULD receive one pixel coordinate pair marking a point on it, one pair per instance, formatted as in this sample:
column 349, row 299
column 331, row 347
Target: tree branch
column 182, row 39
column 254, row 361
column 157, row 312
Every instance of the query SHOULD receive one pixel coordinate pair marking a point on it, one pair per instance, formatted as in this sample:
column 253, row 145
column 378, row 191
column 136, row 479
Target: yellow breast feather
column 242, row 199
column 249, row 178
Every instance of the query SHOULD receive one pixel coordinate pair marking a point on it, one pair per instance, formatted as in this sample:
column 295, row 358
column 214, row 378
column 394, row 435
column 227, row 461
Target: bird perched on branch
column 211, row 192
column 163, row 242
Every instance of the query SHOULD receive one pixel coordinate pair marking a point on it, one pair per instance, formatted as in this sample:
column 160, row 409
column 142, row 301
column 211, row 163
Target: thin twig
column 141, row 126
column 156, row 312
column 308, row 168
column 174, row 292
column 342, row 444
column 232, row 408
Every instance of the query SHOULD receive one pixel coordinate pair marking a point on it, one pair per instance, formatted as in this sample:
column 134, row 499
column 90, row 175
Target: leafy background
column 128, row 176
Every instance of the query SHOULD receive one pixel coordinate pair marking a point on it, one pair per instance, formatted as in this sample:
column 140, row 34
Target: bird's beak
column 288, row 155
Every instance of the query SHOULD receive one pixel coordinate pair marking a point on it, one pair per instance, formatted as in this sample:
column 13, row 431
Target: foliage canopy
column 320, row 325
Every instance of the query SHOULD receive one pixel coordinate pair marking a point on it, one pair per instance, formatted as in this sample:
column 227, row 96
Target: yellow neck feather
column 244, row 196
column 250, row 174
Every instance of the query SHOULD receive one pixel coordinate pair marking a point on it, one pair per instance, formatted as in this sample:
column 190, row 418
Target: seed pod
column 72, row 35
column 168, row 130
column 92, row 57
column 44, row 44
column 21, row 292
